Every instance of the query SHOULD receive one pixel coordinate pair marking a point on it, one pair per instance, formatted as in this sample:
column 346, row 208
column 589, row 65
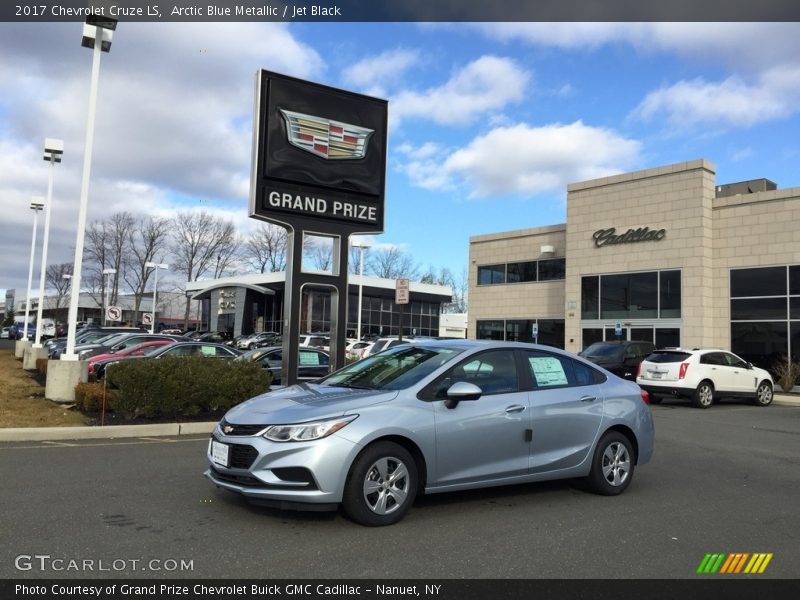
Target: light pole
column 156, row 266
column 97, row 34
column 108, row 293
column 53, row 149
column 361, row 245
column 37, row 203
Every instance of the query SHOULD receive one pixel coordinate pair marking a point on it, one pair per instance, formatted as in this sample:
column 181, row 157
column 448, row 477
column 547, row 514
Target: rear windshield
column 603, row 349
column 670, row 356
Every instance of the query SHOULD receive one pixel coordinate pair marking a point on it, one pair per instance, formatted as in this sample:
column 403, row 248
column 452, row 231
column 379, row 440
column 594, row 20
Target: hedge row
column 182, row 386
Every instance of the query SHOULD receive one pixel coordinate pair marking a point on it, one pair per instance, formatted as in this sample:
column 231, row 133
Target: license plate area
column 220, row 453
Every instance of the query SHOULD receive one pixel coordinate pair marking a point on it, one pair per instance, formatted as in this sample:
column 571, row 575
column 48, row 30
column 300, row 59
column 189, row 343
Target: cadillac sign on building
column 319, row 157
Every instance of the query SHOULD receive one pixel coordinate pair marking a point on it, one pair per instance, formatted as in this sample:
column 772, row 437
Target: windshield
column 603, row 349
column 394, row 369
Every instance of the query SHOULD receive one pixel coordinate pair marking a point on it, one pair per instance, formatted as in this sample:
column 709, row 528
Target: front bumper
column 284, row 474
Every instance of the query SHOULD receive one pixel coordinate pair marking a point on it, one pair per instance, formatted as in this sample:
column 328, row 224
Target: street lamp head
column 37, row 203
column 109, row 271
column 359, row 243
column 53, row 149
column 152, row 265
column 66, row 276
column 90, row 32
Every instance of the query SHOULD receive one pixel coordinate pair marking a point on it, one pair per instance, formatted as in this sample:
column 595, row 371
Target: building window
column 491, row 274
column 552, row 269
column 765, row 314
column 550, row 332
column 490, row 330
column 521, row 272
column 631, row 296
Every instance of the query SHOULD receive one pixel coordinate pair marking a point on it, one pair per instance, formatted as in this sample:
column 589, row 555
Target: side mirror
column 748, row 365
column 461, row 391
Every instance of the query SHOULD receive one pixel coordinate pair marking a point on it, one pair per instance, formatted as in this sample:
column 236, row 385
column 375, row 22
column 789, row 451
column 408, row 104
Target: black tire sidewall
column 353, row 502
column 596, row 480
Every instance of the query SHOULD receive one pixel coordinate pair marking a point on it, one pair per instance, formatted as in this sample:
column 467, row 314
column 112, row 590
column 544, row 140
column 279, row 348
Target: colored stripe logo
column 734, row 563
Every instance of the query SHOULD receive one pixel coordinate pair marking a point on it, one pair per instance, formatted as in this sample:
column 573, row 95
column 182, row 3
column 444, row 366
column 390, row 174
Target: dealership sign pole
column 319, row 168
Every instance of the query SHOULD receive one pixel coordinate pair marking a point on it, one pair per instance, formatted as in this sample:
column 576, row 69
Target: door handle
column 515, row 408
column 588, row 398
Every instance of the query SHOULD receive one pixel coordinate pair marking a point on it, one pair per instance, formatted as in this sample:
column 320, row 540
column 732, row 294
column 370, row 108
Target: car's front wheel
column 612, row 465
column 381, row 485
column 764, row 394
column 704, row 395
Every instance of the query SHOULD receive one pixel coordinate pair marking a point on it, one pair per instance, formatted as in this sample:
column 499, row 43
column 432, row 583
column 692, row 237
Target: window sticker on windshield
column 309, row 359
column 548, row 371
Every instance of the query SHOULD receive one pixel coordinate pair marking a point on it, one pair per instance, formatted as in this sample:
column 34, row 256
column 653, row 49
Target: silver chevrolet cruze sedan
column 433, row 417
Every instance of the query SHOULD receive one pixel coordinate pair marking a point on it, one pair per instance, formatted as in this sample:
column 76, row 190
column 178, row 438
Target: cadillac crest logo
column 326, row 138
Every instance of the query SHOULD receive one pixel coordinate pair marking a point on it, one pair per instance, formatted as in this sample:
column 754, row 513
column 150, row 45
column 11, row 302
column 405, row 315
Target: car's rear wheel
column 381, row 485
column 764, row 394
column 704, row 395
column 612, row 465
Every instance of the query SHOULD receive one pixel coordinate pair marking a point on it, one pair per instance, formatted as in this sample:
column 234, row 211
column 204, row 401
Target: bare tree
column 228, row 256
column 319, row 250
column 56, row 281
column 459, row 284
column 199, row 239
column 106, row 245
column 392, row 263
column 265, row 248
column 146, row 242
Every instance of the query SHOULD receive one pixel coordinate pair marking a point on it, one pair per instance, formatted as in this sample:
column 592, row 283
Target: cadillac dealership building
column 664, row 255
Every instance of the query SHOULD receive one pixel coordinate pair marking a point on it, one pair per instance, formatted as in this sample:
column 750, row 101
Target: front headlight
column 304, row 432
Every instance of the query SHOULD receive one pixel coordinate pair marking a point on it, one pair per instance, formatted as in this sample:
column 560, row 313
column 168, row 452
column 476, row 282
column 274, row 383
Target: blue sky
column 488, row 122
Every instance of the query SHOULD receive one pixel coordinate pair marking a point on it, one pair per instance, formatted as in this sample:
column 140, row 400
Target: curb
column 786, row 400
column 46, row 434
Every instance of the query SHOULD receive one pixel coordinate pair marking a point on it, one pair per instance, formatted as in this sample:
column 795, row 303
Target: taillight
column 645, row 396
column 682, row 372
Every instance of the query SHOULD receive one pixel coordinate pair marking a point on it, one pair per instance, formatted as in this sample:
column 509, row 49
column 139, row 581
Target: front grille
column 240, row 429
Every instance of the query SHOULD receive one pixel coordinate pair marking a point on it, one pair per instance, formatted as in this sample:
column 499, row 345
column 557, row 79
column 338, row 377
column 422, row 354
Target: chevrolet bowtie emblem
column 227, row 429
column 326, row 138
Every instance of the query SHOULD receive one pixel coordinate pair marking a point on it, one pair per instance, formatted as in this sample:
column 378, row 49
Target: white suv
column 703, row 376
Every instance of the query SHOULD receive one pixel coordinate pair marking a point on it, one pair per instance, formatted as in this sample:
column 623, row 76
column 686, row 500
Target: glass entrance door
column 662, row 337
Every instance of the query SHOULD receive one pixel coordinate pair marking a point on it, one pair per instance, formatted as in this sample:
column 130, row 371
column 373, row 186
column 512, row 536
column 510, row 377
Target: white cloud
column 486, row 84
column 739, row 45
column 731, row 102
column 373, row 74
column 527, row 161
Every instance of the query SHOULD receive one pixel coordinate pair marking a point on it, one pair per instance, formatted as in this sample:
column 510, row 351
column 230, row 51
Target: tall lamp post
column 37, row 204
column 108, row 293
column 97, row 34
column 361, row 245
column 53, row 149
column 156, row 266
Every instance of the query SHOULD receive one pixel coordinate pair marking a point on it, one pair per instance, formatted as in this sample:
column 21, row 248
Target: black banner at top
column 406, row 10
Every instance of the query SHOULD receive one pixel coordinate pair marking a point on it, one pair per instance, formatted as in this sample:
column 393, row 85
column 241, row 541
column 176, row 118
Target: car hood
column 304, row 402
column 602, row 360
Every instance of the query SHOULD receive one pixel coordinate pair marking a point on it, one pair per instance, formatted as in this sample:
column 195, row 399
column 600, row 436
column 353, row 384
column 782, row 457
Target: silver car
column 433, row 417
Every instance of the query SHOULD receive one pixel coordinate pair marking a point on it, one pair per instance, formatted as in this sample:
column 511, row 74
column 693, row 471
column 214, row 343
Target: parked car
column 389, row 342
column 120, row 342
column 141, row 349
column 260, row 340
column 354, row 349
column 4, row 334
column 432, row 417
column 197, row 349
column 622, row 358
column 312, row 340
column 312, row 362
column 216, row 337
column 703, row 376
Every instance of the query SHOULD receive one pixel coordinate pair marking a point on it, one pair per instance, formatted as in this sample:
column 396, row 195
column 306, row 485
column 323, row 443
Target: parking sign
column 401, row 291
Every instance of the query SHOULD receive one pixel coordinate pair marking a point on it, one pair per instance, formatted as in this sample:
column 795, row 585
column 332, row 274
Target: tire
column 381, row 485
column 704, row 395
column 763, row 394
column 612, row 465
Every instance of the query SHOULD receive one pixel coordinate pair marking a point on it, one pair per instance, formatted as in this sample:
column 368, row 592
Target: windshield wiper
column 350, row 385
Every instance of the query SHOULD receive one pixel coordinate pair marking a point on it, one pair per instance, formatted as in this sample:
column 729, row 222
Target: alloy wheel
column 386, row 485
column 616, row 464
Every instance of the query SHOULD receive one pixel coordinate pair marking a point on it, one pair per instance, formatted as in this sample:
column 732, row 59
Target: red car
column 142, row 349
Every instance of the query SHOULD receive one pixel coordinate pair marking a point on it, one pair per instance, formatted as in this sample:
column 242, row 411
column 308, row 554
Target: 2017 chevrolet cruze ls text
column 433, row 417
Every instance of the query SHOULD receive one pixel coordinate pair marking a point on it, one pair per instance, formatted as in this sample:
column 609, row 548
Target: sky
column 488, row 122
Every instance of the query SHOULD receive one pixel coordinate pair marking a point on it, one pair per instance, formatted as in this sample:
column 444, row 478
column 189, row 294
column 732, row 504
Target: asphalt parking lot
column 722, row 480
